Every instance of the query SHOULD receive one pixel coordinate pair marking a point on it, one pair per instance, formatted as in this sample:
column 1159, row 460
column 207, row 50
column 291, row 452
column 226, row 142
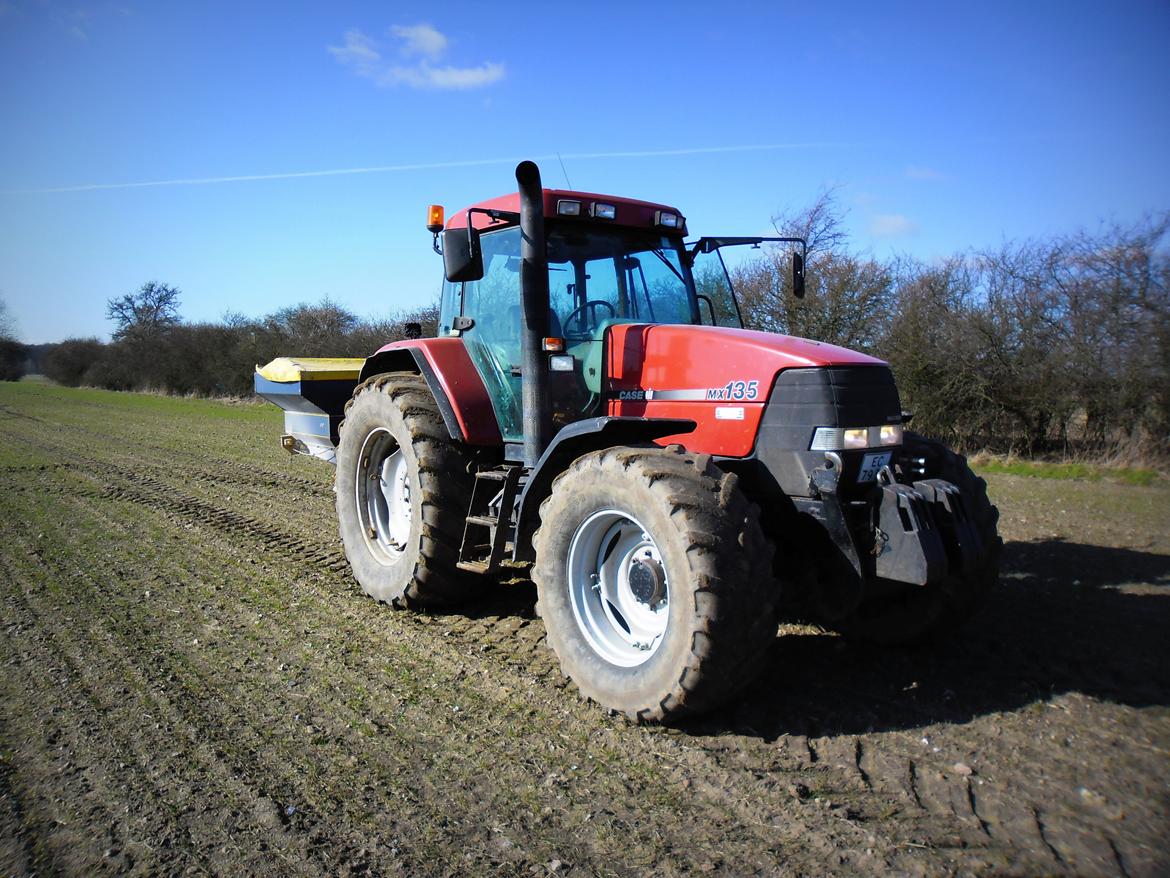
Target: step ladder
column 485, row 538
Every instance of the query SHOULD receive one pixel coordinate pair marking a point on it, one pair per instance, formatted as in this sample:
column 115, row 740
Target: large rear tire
column 403, row 490
column 654, row 581
column 909, row 615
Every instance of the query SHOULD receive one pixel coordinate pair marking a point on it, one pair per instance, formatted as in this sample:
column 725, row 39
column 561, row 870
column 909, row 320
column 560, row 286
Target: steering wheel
column 579, row 313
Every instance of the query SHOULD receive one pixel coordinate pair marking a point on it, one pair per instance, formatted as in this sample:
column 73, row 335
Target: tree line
column 1055, row 345
column 153, row 349
column 1038, row 346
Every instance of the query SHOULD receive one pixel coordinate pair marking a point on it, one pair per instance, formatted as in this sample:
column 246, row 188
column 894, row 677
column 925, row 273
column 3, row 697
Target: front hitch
column 960, row 537
column 908, row 545
column 824, row 481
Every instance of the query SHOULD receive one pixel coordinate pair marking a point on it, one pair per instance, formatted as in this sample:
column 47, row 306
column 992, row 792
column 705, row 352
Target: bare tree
column 13, row 354
column 848, row 297
column 934, row 351
column 821, row 224
column 146, row 313
column 7, row 322
column 313, row 330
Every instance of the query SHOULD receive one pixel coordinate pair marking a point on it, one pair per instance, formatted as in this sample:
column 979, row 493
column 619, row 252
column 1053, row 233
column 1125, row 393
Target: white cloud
column 363, row 55
column 423, row 75
column 359, row 54
column 891, row 225
column 420, row 39
column 917, row 172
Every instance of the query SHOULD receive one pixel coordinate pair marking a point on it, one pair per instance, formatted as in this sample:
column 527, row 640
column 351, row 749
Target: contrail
column 422, row 166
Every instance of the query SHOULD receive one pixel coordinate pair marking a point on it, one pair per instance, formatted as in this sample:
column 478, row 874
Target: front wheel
column 920, row 614
column 654, row 581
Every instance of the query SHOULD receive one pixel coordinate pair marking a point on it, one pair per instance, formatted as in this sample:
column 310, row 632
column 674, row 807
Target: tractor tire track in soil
column 193, row 683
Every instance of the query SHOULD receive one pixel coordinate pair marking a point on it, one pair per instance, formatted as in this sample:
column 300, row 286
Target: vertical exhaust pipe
column 534, row 305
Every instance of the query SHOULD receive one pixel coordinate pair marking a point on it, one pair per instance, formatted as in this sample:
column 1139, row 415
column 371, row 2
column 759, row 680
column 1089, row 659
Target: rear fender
column 453, row 380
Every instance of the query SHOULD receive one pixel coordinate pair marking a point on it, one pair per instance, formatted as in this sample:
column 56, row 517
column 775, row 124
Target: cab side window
column 493, row 302
column 450, row 305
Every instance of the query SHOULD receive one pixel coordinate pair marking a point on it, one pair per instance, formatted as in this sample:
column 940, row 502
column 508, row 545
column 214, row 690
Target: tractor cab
column 610, row 261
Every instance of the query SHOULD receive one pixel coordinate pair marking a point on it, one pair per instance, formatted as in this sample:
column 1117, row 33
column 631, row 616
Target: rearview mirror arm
column 709, row 245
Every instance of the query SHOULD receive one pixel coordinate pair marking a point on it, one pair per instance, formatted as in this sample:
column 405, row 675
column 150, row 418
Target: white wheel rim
column 622, row 627
column 383, row 496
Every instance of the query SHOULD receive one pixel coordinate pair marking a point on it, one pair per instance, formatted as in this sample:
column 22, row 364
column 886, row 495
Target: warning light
column 554, row 345
column 435, row 218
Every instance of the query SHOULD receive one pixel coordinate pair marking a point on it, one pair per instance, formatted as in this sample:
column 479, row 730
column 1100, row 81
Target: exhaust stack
column 536, row 412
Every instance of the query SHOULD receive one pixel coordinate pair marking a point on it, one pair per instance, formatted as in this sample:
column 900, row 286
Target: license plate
column 872, row 464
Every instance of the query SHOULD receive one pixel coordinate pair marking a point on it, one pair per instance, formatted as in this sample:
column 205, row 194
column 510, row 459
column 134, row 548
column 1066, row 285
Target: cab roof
column 628, row 211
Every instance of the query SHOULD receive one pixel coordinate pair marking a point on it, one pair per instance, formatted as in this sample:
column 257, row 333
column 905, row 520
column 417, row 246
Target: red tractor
column 592, row 406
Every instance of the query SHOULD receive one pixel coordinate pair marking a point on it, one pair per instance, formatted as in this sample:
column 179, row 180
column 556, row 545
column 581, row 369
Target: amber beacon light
column 435, row 218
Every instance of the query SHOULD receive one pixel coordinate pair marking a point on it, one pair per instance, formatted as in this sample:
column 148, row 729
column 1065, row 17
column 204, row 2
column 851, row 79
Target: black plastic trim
column 567, row 445
column 803, row 399
column 398, row 361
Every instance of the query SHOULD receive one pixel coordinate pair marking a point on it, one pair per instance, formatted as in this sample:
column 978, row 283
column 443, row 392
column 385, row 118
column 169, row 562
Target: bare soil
column 191, row 683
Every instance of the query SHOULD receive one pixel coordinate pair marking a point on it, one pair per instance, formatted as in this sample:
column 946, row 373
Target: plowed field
column 192, row 683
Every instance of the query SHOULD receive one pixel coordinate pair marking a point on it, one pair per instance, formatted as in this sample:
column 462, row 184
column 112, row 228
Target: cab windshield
column 597, row 277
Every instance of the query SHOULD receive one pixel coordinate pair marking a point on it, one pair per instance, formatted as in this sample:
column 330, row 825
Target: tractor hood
column 709, row 363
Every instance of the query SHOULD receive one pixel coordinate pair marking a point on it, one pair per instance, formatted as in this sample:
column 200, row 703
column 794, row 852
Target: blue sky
column 945, row 126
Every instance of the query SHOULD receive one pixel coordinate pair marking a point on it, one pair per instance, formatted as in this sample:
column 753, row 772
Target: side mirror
column 798, row 275
column 462, row 258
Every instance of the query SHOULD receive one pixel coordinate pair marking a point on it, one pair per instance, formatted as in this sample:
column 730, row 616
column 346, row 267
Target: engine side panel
column 721, row 378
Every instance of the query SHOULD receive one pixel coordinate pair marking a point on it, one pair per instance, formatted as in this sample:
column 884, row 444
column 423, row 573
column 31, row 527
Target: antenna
column 568, row 182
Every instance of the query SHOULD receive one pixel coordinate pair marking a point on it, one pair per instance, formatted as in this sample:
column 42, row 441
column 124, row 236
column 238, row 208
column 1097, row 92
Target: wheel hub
column 647, row 580
column 383, row 496
column 619, row 588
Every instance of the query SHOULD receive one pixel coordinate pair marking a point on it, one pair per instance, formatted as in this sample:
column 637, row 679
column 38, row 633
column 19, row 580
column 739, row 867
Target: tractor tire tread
column 960, row 597
column 734, row 597
column 436, row 582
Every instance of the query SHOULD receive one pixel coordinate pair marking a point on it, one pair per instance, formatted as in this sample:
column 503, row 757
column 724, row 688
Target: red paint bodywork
column 659, row 358
column 645, row 357
column 629, row 211
column 461, row 383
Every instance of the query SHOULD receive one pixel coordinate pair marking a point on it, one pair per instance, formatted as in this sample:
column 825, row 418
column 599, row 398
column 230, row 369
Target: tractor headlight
column 856, row 438
column 853, row 438
column 838, row 438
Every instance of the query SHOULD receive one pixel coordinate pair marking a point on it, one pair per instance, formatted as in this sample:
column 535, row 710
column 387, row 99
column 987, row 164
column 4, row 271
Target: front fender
column 591, row 434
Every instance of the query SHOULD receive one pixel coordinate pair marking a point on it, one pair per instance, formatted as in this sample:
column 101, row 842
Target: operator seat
column 554, row 322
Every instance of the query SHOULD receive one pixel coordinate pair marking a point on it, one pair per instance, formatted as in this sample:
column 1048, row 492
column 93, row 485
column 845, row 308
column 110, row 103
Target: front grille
column 804, row 399
column 837, row 396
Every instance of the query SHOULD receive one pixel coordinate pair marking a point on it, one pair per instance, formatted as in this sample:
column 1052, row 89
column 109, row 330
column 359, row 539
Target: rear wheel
column 904, row 615
column 403, row 490
column 654, row 581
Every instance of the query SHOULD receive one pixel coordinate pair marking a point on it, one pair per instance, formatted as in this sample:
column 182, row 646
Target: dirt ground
column 191, row 683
